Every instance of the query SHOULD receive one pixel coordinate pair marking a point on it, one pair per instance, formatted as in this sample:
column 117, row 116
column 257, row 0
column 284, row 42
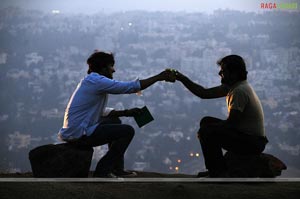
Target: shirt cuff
column 138, row 83
column 107, row 111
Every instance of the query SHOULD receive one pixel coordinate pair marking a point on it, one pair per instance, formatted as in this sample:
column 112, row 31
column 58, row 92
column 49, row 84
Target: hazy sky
column 93, row 6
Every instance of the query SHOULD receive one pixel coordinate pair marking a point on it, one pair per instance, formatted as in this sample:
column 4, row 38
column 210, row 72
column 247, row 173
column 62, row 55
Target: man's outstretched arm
column 165, row 75
column 200, row 91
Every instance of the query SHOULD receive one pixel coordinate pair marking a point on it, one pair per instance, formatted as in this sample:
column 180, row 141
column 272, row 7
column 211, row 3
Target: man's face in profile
column 225, row 75
column 109, row 70
column 228, row 78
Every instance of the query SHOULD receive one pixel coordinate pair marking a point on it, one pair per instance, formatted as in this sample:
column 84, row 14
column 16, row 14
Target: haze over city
column 94, row 6
column 44, row 45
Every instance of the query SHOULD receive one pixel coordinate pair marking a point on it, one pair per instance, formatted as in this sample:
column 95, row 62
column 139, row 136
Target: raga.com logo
column 273, row 5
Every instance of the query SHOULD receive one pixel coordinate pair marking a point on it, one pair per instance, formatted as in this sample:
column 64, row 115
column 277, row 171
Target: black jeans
column 213, row 139
column 118, row 137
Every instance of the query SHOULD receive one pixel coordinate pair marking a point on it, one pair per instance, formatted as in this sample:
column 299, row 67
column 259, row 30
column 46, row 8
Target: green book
column 144, row 117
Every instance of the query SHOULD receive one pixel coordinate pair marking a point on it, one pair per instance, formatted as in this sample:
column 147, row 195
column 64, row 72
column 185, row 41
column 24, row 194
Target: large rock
column 263, row 165
column 61, row 160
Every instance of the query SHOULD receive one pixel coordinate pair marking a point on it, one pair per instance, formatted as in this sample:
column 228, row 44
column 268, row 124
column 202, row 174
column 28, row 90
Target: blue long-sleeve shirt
column 88, row 103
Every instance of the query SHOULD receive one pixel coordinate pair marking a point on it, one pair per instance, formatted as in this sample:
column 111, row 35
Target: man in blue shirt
column 87, row 106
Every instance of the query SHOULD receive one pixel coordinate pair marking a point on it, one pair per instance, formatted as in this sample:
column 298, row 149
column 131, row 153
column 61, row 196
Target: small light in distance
column 55, row 11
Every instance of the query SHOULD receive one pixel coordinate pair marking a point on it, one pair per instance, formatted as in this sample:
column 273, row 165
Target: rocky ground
column 145, row 190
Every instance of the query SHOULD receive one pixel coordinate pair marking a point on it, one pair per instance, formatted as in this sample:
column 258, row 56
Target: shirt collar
column 237, row 84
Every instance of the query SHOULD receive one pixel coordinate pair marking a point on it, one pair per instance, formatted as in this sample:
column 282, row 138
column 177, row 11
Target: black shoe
column 124, row 173
column 105, row 175
column 203, row 174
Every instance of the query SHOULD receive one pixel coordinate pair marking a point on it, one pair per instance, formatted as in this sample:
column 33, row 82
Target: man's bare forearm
column 196, row 89
column 145, row 83
column 200, row 91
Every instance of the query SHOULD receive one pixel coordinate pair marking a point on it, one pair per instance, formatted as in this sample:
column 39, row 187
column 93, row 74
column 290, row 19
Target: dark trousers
column 214, row 138
column 118, row 137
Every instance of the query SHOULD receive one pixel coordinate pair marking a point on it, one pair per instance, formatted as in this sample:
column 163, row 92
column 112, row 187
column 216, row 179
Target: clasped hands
column 169, row 75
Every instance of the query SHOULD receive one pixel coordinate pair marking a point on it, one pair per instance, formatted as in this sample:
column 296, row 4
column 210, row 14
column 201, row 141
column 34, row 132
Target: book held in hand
column 144, row 117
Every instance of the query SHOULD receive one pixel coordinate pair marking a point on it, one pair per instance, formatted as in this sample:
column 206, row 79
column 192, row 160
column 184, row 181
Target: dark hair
column 235, row 64
column 99, row 60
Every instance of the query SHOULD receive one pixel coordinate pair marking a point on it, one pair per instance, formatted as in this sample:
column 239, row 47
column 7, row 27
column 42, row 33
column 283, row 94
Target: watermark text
column 273, row 5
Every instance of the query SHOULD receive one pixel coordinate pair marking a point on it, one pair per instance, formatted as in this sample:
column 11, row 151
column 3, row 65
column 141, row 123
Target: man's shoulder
column 243, row 88
column 95, row 77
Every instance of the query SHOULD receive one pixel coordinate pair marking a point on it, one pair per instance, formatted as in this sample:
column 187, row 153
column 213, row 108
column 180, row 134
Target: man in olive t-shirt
column 243, row 131
column 243, row 98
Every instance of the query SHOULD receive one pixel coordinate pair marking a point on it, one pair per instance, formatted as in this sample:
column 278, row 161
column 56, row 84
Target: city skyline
column 96, row 6
column 42, row 56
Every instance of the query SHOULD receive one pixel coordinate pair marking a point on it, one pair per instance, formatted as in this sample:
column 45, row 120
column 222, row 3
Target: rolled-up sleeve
column 119, row 87
column 107, row 111
column 103, row 84
column 237, row 101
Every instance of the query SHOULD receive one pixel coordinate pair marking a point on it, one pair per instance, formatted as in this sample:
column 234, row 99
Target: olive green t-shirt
column 243, row 98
